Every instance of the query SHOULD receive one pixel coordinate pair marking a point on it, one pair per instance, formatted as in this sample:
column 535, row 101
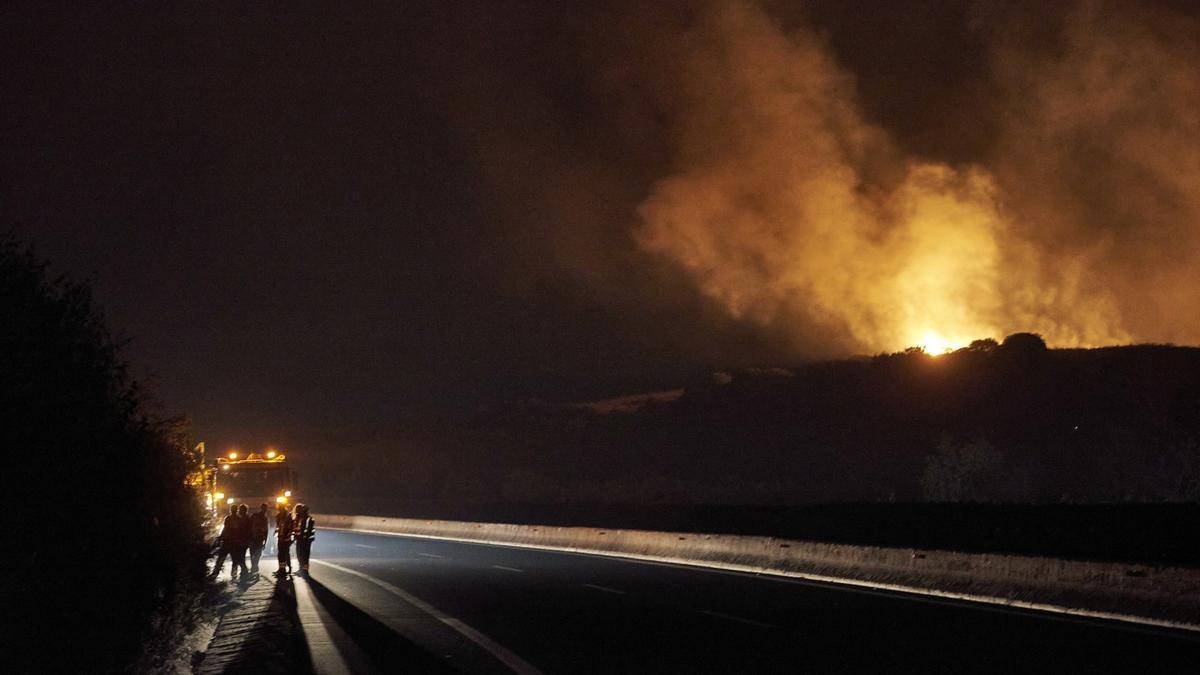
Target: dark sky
column 323, row 222
column 277, row 210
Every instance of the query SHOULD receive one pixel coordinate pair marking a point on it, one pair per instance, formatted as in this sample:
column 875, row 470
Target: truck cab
column 256, row 478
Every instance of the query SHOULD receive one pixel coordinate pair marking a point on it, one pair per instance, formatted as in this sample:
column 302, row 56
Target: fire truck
column 253, row 479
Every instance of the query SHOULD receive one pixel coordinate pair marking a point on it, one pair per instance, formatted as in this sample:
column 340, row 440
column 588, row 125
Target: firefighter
column 240, row 541
column 223, row 540
column 258, row 536
column 283, row 541
column 305, row 531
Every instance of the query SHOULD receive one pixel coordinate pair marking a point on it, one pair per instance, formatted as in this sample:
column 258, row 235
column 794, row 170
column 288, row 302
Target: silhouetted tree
column 984, row 345
column 1023, row 342
column 101, row 535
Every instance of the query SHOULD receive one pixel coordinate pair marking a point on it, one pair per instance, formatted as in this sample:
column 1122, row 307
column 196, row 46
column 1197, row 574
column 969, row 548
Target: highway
column 378, row 603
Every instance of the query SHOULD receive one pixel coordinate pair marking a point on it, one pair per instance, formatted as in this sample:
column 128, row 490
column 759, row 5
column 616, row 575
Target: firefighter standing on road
column 258, row 536
column 223, row 548
column 283, row 541
column 235, row 535
column 306, row 531
column 240, row 542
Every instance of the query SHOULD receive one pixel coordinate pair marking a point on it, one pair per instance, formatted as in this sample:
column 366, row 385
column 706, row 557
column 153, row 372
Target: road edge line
column 822, row 578
column 502, row 653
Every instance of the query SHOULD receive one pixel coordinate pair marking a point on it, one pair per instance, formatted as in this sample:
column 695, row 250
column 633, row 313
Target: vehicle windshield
column 246, row 481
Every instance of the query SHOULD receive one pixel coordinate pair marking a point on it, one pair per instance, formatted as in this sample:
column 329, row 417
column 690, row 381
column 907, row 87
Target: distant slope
column 1012, row 422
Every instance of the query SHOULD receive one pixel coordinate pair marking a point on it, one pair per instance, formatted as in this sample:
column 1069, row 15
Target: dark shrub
column 101, row 533
column 1023, row 342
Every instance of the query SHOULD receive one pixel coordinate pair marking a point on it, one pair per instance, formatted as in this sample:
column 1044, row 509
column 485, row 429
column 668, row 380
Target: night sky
column 316, row 224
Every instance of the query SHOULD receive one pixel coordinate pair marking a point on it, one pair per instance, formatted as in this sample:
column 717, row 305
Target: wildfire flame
column 934, row 344
column 735, row 135
column 779, row 208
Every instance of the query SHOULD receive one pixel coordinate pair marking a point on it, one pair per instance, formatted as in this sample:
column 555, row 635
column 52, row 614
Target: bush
column 958, row 473
column 1021, row 342
column 102, row 535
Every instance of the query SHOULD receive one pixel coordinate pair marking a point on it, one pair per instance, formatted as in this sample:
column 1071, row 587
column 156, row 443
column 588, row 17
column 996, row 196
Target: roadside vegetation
column 102, row 539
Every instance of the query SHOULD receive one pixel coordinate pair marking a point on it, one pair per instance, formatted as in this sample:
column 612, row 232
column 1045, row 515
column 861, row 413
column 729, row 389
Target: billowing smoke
column 1099, row 157
column 778, row 207
column 729, row 142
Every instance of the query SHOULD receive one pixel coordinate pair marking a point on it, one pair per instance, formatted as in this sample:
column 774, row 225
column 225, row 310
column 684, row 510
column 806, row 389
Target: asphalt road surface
column 377, row 603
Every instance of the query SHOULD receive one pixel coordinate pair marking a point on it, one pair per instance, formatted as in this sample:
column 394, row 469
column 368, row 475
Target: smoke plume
column 1100, row 157
column 778, row 207
column 729, row 143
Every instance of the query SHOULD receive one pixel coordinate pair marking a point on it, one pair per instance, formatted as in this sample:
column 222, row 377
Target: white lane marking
column 431, row 555
column 739, row 619
column 514, row 662
column 322, row 651
column 364, row 546
column 510, row 569
column 912, row 593
column 606, row 589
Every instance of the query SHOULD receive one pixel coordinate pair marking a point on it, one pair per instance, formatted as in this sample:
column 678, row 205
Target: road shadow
column 284, row 614
column 387, row 649
column 260, row 633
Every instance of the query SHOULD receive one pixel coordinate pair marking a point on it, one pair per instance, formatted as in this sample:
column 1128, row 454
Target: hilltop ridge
column 1013, row 422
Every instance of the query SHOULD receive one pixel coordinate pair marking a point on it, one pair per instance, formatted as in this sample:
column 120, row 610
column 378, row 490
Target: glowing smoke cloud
column 774, row 212
column 1100, row 158
column 721, row 150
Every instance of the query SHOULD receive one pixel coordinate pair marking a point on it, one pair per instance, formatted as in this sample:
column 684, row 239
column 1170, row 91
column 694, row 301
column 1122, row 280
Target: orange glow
column 271, row 454
column 233, row 455
column 935, row 344
column 786, row 222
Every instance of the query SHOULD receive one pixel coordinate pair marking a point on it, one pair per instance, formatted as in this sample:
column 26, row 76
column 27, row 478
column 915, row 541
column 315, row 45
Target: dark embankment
column 996, row 423
column 101, row 535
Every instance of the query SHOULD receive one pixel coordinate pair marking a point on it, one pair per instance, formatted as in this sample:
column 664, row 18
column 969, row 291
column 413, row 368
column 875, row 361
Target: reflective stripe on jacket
column 306, row 529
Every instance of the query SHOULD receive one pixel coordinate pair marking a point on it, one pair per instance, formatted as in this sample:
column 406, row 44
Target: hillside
column 1012, row 422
